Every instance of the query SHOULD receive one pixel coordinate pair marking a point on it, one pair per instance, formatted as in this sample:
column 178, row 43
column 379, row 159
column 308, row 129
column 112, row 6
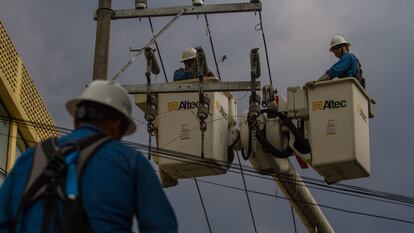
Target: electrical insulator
column 152, row 64
column 198, row 2
column 255, row 63
column 268, row 95
column 150, row 113
column 254, row 108
column 140, row 4
column 203, row 110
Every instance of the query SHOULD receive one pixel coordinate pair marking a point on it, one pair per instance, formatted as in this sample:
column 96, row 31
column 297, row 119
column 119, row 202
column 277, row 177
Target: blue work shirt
column 181, row 74
column 347, row 66
column 117, row 183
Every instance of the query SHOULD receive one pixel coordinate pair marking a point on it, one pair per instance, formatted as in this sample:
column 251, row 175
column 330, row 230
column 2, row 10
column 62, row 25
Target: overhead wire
column 349, row 191
column 212, row 45
column 133, row 58
column 309, row 203
column 341, row 190
column 202, row 204
column 312, row 183
column 247, row 194
column 158, row 49
column 265, row 46
column 219, row 164
column 293, row 219
column 266, row 194
column 3, row 173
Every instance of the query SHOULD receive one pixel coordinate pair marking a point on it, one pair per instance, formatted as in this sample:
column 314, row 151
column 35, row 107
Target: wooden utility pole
column 103, row 27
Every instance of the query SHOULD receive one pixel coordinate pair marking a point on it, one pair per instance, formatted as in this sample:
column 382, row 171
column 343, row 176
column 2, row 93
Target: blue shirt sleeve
column 6, row 213
column 180, row 74
column 154, row 212
column 341, row 67
column 12, row 189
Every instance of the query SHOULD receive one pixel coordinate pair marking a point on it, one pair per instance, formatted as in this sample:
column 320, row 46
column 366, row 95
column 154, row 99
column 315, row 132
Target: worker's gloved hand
column 324, row 77
column 311, row 83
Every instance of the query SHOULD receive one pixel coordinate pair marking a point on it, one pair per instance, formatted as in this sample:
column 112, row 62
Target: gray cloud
column 56, row 42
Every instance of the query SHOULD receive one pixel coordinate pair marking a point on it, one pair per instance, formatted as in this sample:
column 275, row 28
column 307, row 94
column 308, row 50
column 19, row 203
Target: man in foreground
column 115, row 184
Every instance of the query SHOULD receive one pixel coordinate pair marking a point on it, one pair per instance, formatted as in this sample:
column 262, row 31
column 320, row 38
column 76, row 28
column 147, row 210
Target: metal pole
column 103, row 26
column 303, row 202
column 299, row 196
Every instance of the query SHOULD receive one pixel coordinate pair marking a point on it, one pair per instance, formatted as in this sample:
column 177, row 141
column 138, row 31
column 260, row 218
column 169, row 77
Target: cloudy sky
column 56, row 41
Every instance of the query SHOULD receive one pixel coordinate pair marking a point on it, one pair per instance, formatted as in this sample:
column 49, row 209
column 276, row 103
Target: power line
column 293, row 218
column 132, row 59
column 312, row 183
column 309, row 203
column 179, row 156
column 266, row 194
column 265, row 46
column 212, row 46
column 247, row 194
column 202, row 204
column 316, row 184
column 158, row 50
column 3, row 173
column 335, row 208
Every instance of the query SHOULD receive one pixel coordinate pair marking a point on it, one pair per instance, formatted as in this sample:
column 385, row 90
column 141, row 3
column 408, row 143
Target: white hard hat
column 189, row 53
column 108, row 93
column 337, row 40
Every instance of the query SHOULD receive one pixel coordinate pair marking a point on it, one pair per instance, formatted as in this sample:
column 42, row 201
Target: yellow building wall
column 28, row 112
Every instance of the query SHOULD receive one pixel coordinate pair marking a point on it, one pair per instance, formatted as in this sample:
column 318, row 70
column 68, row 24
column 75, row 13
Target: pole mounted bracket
column 190, row 10
column 176, row 87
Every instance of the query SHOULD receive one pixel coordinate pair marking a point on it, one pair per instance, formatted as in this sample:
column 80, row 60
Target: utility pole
column 103, row 26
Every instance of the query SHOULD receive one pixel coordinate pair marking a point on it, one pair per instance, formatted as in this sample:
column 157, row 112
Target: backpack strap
column 48, row 164
column 87, row 153
column 38, row 177
column 75, row 219
column 359, row 75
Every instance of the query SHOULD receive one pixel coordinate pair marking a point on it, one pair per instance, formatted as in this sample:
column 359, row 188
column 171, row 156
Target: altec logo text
column 183, row 105
column 328, row 104
column 189, row 105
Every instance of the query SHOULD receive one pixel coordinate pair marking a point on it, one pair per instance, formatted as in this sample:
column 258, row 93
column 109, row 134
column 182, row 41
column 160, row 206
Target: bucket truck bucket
column 178, row 131
column 339, row 112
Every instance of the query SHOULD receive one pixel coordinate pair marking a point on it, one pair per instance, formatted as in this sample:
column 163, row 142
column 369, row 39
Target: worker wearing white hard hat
column 348, row 64
column 117, row 177
column 116, row 185
column 189, row 59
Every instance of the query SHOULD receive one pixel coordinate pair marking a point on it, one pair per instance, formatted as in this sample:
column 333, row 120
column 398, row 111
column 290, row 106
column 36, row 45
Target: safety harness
column 55, row 179
column 359, row 76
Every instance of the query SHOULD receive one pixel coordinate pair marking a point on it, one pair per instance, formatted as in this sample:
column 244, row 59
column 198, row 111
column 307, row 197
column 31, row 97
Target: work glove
column 310, row 83
column 324, row 77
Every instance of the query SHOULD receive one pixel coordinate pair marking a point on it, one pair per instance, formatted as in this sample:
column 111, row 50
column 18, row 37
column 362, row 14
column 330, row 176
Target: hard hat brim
column 190, row 58
column 347, row 43
column 71, row 108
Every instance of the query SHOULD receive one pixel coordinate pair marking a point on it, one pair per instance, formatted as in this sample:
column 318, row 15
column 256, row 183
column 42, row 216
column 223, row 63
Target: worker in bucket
column 348, row 64
column 87, row 180
column 189, row 58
